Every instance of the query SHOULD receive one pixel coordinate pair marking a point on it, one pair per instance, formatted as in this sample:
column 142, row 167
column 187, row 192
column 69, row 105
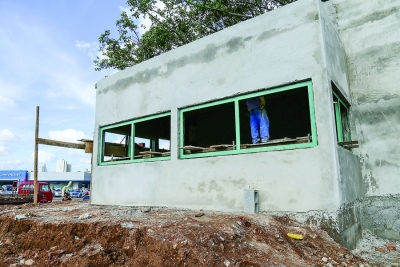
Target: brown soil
column 78, row 234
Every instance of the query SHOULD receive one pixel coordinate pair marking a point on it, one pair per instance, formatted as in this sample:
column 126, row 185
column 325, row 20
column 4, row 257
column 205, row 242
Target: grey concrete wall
column 243, row 58
column 335, row 55
column 371, row 36
column 352, row 189
column 350, row 180
column 381, row 216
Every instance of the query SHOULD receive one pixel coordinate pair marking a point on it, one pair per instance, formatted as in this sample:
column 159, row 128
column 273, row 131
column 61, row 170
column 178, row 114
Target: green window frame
column 128, row 129
column 341, row 110
column 235, row 101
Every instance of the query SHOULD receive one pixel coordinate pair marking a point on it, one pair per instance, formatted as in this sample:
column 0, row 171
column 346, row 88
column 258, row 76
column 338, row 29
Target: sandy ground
column 80, row 234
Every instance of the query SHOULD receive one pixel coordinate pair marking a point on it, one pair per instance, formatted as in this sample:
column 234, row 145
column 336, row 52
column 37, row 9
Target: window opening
column 152, row 131
column 44, row 188
column 206, row 127
column 288, row 115
column 116, row 141
column 341, row 111
column 223, row 127
column 136, row 140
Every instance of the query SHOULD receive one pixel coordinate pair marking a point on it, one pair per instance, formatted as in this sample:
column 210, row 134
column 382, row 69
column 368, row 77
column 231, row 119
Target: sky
column 47, row 49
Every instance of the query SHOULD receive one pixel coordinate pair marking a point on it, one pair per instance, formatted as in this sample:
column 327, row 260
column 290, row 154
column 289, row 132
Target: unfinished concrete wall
column 240, row 59
column 351, row 187
column 370, row 32
column 371, row 36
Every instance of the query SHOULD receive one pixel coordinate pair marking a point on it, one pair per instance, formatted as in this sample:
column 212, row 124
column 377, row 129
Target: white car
column 7, row 189
column 57, row 192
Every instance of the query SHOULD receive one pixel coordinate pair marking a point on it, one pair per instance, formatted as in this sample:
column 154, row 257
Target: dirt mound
column 76, row 234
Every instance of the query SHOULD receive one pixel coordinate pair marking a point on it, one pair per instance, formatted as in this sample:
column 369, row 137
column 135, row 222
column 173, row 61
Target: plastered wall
column 371, row 36
column 274, row 49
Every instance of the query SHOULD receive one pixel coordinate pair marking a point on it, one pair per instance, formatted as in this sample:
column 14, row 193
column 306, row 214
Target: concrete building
column 63, row 166
column 9, row 176
column 42, row 168
column 329, row 72
column 61, row 179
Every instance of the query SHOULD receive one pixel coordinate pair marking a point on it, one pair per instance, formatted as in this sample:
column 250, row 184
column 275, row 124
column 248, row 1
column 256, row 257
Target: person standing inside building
column 259, row 122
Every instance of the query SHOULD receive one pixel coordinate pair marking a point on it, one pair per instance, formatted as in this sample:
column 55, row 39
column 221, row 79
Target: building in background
column 9, row 176
column 63, row 166
column 42, row 168
column 56, row 179
column 61, row 179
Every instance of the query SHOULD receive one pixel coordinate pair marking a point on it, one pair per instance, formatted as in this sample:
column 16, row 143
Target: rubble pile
column 80, row 234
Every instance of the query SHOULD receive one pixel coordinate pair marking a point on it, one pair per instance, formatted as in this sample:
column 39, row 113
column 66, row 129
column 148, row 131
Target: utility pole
column 35, row 161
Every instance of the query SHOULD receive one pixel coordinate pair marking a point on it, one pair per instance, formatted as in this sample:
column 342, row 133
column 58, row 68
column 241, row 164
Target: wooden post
column 35, row 161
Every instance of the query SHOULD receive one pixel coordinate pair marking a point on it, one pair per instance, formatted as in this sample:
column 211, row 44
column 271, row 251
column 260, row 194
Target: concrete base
column 381, row 216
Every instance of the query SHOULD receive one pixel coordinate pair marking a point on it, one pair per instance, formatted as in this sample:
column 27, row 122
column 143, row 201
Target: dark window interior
column 210, row 126
column 158, row 131
column 288, row 113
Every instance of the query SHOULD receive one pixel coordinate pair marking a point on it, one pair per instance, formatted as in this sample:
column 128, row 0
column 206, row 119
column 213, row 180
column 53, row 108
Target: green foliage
column 173, row 24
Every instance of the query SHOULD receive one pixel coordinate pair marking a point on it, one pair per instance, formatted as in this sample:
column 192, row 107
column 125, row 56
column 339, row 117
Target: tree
column 173, row 24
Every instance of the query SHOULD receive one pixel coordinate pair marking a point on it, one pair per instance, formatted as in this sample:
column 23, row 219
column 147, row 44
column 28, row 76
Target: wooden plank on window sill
column 270, row 143
column 150, row 153
column 191, row 148
column 349, row 144
column 221, row 146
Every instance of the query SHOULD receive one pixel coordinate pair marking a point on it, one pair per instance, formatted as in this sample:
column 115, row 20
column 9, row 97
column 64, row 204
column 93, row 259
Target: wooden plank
column 120, row 159
column 166, row 154
column 116, row 150
column 49, row 142
column 208, row 149
column 89, row 147
column 348, row 143
column 150, row 153
column 192, row 148
column 270, row 143
column 221, row 146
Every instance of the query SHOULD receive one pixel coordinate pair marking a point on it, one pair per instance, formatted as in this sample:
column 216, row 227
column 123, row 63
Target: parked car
column 57, row 192
column 7, row 189
column 76, row 193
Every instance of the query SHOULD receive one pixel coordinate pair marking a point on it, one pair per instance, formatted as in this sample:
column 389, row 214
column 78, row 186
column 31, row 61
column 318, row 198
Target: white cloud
column 7, row 136
column 13, row 162
column 82, row 45
column 68, row 135
column 6, row 102
column 44, row 156
column 11, row 165
column 91, row 49
column 4, row 150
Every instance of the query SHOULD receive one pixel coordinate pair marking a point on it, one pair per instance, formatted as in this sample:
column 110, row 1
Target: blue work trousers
column 259, row 125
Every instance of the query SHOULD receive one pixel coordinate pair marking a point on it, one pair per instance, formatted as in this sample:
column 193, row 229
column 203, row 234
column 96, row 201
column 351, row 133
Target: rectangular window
column 143, row 139
column 342, row 121
column 341, row 117
column 223, row 127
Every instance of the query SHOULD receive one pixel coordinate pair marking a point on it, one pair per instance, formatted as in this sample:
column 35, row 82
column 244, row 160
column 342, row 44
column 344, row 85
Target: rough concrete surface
column 76, row 234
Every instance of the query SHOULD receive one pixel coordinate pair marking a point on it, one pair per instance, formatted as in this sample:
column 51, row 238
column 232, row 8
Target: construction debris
column 68, row 234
